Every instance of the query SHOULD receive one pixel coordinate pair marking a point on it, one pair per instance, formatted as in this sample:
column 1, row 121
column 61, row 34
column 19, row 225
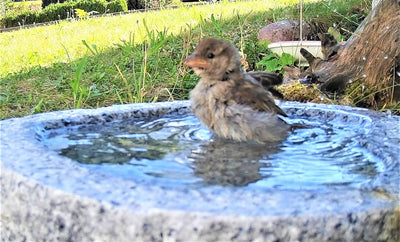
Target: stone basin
column 45, row 195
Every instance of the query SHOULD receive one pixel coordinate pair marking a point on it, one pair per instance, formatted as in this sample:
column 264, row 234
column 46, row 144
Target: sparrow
column 234, row 104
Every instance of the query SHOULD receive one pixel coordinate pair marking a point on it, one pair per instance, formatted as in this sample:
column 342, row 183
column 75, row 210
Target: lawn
column 42, row 46
column 135, row 57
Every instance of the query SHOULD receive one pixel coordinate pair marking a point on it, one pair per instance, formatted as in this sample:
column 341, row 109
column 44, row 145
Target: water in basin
column 175, row 150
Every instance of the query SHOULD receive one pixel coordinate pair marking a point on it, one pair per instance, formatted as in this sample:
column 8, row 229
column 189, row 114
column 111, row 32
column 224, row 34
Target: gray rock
column 285, row 30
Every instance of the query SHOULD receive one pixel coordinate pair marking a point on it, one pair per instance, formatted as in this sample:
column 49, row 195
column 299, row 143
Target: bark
column 371, row 54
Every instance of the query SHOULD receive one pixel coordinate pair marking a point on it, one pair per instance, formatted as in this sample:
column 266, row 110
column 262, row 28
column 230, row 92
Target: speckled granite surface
column 48, row 196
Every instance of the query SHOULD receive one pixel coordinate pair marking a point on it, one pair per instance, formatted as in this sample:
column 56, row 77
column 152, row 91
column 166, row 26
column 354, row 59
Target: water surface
column 175, row 150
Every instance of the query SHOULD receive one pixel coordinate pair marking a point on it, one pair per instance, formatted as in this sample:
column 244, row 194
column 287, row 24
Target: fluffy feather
column 234, row 104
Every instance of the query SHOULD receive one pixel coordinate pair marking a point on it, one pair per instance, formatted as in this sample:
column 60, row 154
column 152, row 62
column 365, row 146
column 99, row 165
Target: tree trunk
column 371, row 55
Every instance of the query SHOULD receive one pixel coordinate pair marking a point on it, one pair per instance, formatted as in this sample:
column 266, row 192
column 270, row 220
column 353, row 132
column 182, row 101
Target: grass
column 62, row 42
column 132, row 58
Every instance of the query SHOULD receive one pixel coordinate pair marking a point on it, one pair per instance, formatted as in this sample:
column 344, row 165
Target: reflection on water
column 177, row 150
column 228, row 163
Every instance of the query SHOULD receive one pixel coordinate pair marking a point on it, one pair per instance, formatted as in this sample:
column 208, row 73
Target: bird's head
column 214, row 58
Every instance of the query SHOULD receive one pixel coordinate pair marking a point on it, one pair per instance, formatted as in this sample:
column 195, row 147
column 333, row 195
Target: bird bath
column 152, row 172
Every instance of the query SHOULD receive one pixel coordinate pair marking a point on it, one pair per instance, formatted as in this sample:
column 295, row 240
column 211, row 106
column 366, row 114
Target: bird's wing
column 266, row 79
column 255, row 96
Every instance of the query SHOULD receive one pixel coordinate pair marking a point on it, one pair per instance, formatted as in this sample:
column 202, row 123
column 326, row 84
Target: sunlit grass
column 41, row 46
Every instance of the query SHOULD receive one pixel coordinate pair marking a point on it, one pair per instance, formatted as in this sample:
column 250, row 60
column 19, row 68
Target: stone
column 46, row 196
column 285, row 30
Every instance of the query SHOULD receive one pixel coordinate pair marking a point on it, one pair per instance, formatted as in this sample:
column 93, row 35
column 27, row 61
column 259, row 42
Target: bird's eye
column 210, row 56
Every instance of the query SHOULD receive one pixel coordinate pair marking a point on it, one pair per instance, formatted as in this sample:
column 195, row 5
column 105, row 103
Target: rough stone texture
column 285, row 30
column 47, row 196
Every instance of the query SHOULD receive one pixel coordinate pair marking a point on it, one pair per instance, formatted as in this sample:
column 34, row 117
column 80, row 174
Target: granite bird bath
column 46, row 194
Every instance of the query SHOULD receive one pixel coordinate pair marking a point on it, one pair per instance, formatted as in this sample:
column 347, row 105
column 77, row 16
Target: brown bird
column 234, row 104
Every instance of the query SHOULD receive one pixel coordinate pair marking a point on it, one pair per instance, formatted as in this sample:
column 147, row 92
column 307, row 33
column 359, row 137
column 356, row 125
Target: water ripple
column 177, row 150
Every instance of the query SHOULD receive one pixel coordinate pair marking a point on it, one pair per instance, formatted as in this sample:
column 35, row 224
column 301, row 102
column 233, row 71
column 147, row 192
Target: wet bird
column 234, row 104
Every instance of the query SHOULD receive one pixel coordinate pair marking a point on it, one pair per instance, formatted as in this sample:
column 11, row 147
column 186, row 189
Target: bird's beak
column 195, row 61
